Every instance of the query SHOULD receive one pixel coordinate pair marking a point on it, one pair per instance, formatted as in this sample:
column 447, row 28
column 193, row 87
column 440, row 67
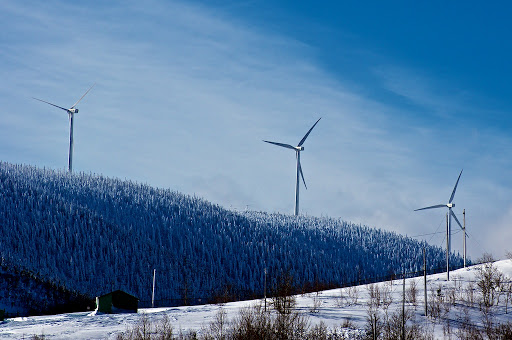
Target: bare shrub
column 315, row 307
column 504, row 331
column 142, row 330
column 374, row 297
column 145, row 329
column 395, row 327
column 446, row 304
column 508, row 295
column 284, row 300
column 339, row 300
column 447, row 329
column 451, row 296
column 374, row 325
column 353, row 294
column 218, row 327
column 252, row 323
column 38, row 337
column 469, row 332
column 386, row 296
column 189, row 335
column 500, row 286
column 412, row 292
column 347, row 323
column 469, row 291
column 459, row 289
column 435, row 302
column 255, row 323
column 164, row 329
column 488, row 277
column 318, row 332
column 486, row 258
column 290, row 326
column 508, row 254
column 488, row 321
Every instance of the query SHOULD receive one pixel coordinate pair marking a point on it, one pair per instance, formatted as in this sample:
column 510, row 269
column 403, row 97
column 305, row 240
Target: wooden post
column 153, row 295
column 425, row 279
column 403, row 308
column 265, row 289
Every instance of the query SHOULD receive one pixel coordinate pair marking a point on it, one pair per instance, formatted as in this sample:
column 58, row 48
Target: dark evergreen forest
column 95, row 234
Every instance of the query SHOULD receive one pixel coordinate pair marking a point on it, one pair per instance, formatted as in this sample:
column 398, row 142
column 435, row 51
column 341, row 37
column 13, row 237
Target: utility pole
column 447, row 249
column 153, row 295
column 265, row 289
column 425, row 278
column 464, row 230
column 403, row 308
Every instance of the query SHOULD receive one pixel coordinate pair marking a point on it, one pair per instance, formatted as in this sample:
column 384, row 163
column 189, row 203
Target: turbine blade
column 60, row 107
column 456, row 219
column 288, row 146
column 432, row 207
column 72, row 107
column 302, row 175
column 307, row 134
column 455, row 188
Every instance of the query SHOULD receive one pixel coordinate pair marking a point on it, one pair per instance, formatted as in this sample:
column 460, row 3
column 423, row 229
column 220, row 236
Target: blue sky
column 409, row 94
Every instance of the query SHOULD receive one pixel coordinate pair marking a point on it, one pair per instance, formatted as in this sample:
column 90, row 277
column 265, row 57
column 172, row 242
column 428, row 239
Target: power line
column 439, row 226
column 478, row 243
column 420, row 235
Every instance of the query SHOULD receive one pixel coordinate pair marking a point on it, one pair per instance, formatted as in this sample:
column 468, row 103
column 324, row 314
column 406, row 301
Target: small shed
column 117, row 302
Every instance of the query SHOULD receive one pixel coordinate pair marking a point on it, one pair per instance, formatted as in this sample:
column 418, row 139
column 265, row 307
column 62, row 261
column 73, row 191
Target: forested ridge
column 93, row 234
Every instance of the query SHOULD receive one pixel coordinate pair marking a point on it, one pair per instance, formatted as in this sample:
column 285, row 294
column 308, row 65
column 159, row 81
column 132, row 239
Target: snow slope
column 330, row 309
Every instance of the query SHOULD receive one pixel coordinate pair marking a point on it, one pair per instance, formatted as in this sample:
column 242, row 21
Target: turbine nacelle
column 451, row 205
column 299, row 148
column 72, row 110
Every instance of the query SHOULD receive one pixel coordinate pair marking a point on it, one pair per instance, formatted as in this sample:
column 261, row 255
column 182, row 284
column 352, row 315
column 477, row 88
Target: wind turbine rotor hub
column 299, row 148
column 451, row 205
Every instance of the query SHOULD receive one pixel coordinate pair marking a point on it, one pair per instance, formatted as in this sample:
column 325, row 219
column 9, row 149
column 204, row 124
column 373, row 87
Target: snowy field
column 333, row 307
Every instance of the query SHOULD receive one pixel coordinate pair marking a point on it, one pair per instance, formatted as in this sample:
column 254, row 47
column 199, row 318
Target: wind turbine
column 448, row 205
column 71, row 112
column 297, row 150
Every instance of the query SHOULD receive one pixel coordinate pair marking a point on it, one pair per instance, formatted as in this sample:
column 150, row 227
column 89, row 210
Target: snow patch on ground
column 326, row 306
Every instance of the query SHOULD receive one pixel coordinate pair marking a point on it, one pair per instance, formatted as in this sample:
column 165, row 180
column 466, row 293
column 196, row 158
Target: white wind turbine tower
column 297, row 150
column 71, row 112
column 449, row 205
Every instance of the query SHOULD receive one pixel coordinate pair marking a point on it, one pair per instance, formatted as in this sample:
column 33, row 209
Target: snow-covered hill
column 459, row 301
column 94, row 234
